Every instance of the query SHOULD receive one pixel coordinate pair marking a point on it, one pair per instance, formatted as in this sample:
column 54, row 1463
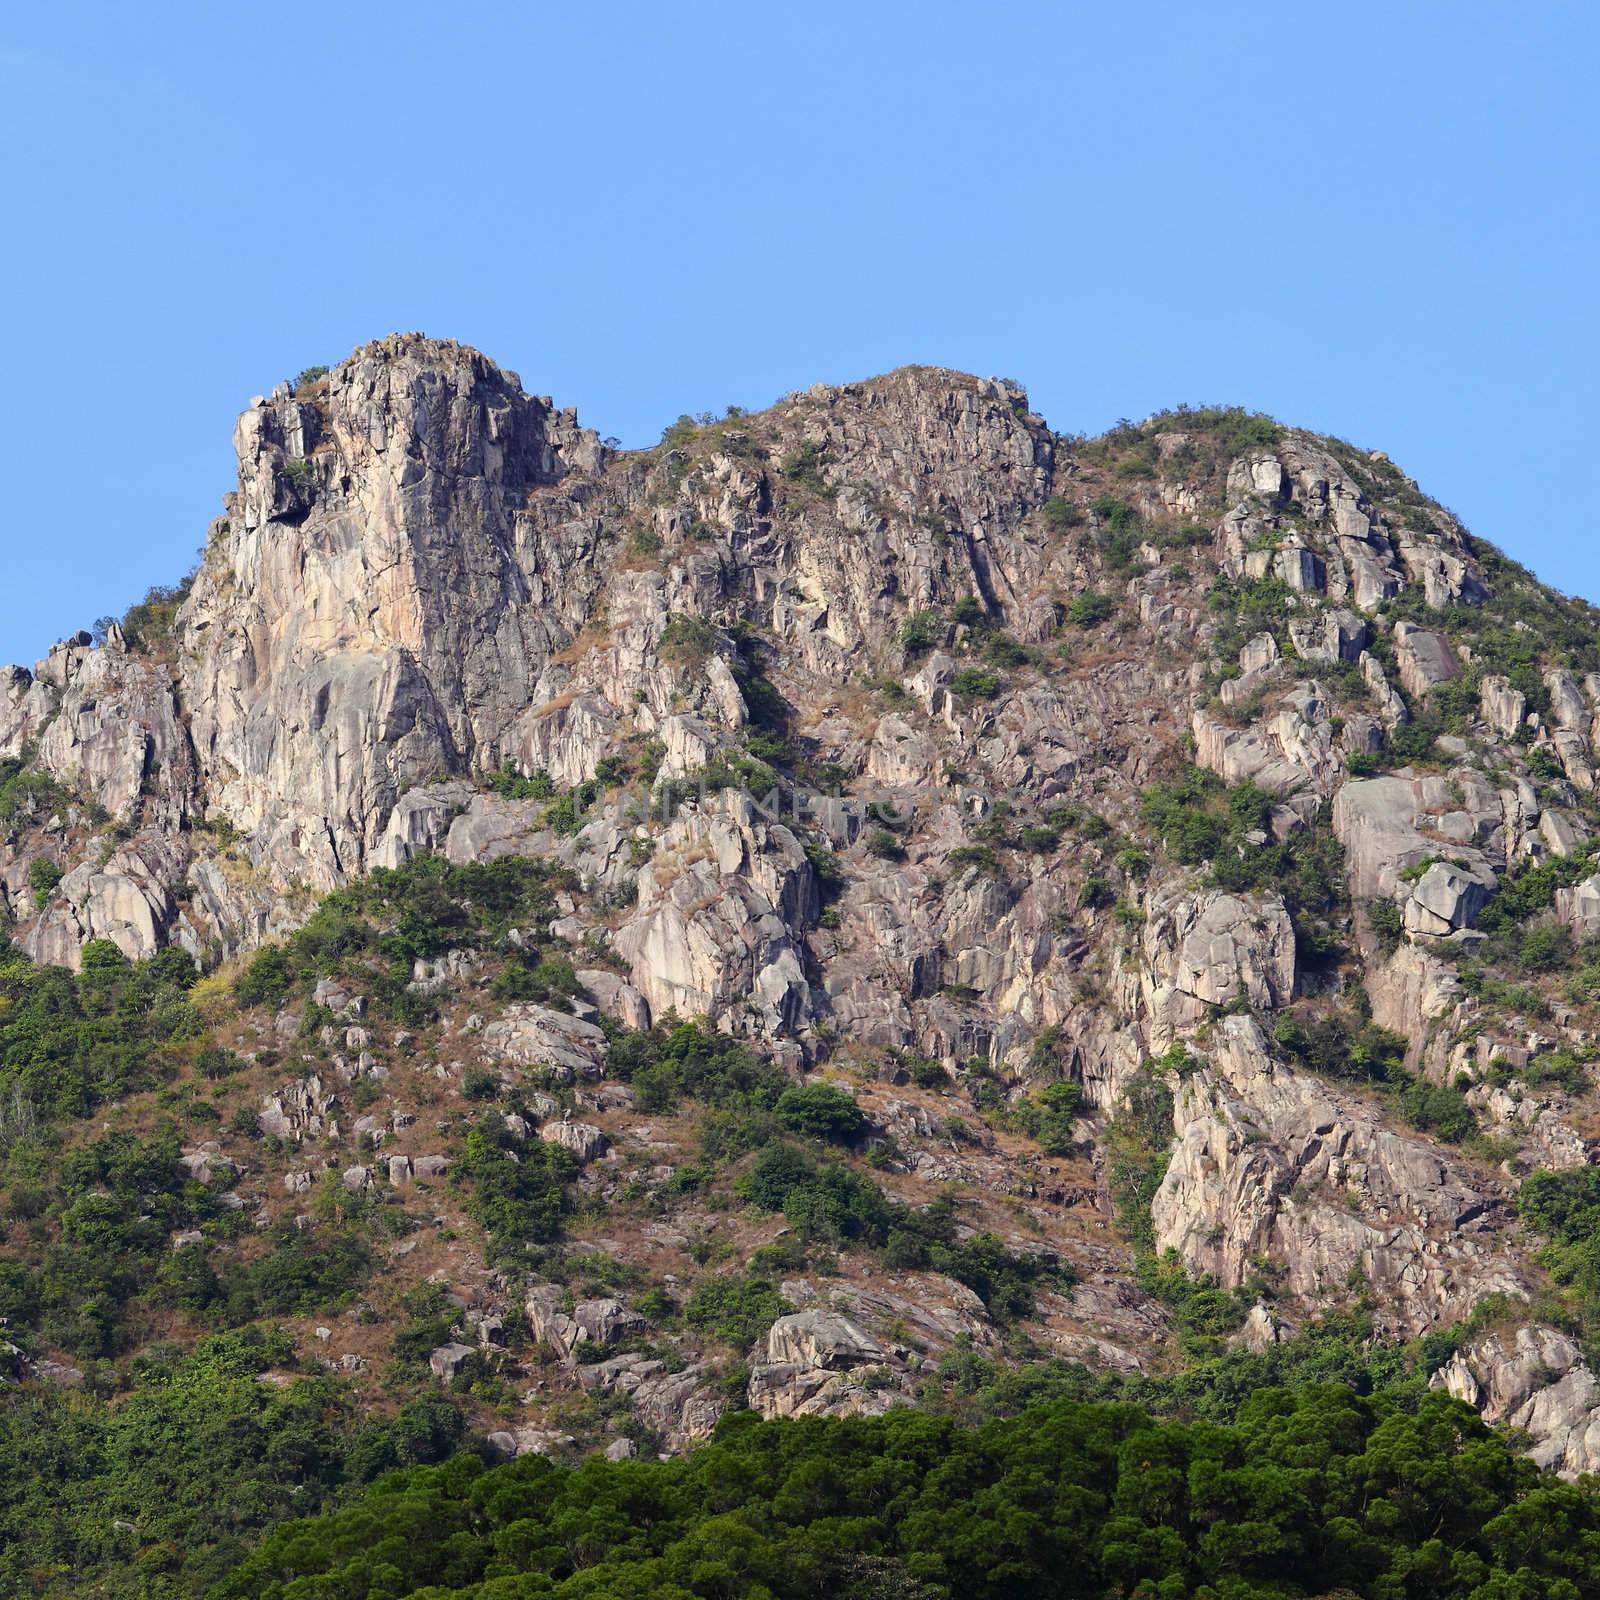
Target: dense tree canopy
column 1307, row 1493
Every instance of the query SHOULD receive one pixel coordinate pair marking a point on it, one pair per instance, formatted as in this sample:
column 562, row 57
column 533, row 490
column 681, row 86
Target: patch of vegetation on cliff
column 1202, row 822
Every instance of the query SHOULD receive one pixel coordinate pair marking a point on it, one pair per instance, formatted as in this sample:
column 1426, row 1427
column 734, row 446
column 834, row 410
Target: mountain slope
column 1140, row 892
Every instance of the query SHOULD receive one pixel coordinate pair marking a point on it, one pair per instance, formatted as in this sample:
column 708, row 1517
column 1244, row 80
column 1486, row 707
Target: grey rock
column 448, row 1360
column 583, row 1139
column 1425, row 658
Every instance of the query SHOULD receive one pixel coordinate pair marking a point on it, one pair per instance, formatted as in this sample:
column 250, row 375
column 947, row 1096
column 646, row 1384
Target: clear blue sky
column 1378, row 220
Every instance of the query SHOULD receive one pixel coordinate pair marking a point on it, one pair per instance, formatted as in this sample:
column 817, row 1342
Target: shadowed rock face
column 897, row 588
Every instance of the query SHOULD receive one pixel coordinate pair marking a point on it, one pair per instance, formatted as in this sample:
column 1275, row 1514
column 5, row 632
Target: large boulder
column 821, row 1364
column 532, row 1036
column 1446, row 897
column 1536, row 1382
column 1425, row 658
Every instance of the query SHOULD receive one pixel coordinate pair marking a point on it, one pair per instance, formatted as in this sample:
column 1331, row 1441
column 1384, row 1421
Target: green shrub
column 72, row 1041
column 675, row 1059
column 677, row 434
column 687, row 639
column 1339, row 1046
column 511, row 785
column 803, row 466
column 919, row 633
column 976, row 683
column 1058, row 1108
column 1090, row 609
column 1439, row 1109
column 1138, row 1144
column 885, row 845
column 517, row 1196
column 1544, row 764
column 735, row 1310
column 27, row 796
column 43, row 876
column 1060, row 514
column 822, row 1111
column 974, row 855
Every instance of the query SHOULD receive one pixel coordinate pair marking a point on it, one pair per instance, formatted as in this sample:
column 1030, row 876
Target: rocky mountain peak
column 1206, row 775
column 377, row 603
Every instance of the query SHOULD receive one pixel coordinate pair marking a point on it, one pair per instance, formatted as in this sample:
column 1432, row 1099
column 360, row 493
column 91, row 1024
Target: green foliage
column 570, row 811
column 160, row 1493
column 391, row 918
column 822, row 1111
column 1200, row 821
column 688, row 639
column 71, row 1041
column 1317, row 1492
column 976, row 683
column 518, row 1195
column 1225, row 431
column 677, row 434
column 1565, row 1206
column 1117, row 515
column 803, row 466
column 302, row 1272
column 830, row 875
column 1096, row 894
column 827, row 1203
column 1120, row 529
column 1530, row 888
column 884, row 845
column 919, row 633
column 1387, row 922
column 1544, row 764
column 1203, row 1314
column 152, row 620
column 1060, row 514
column 735, row 1309
column 1438, row 1108
column 1249, row 606
column 1055, row 1121
column 509, row 784
column 28, row 796
column 43, row 876
column 1545, row 948
column 1090, row 609
column 1138, row 1146
column 309, row 375
column 677, row 1059
column 1339, row 1046
column 974, row 855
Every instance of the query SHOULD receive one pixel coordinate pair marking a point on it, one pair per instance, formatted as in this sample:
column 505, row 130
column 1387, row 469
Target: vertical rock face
column 382, row 595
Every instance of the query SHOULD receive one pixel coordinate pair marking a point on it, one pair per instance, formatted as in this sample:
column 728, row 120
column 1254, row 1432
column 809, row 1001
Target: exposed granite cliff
column 906, row 594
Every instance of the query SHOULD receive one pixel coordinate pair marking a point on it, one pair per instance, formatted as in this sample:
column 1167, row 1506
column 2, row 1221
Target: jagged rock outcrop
column 397, row 565
column 1273, row 1164
column 1537, row 1382
column 811, row 1366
